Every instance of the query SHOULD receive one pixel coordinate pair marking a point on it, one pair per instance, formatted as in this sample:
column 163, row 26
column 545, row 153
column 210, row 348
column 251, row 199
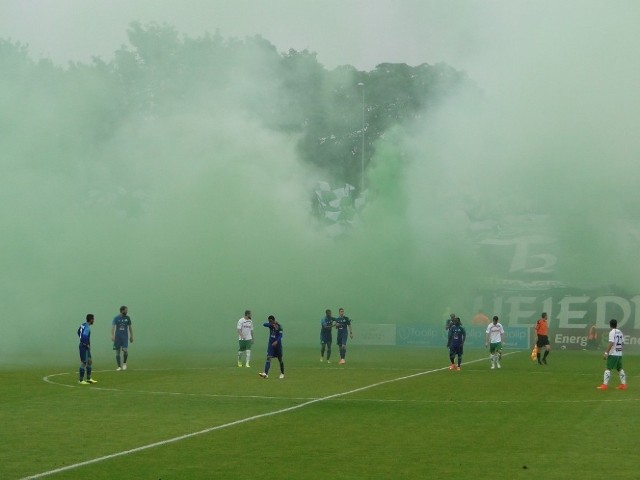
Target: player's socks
column 623, row 377
column 118, row 361
column 267, row 366
column 126, row 355
column 81, row 373
column 607, row 377
column 248, row 359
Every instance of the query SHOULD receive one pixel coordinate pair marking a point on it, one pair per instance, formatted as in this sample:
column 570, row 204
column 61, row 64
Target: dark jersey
column 326, row 328
column 457, row 335
column 122, row 323
column 275, row 335
column 342, row 323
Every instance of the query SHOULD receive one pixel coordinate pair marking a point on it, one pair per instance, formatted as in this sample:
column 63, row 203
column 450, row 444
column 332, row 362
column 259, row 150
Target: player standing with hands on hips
column 613, row 356
column 121, row 335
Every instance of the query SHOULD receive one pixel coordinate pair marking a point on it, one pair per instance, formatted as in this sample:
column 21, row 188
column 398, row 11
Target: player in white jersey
column 613, row 356
column 245, row 338
column 495, row 340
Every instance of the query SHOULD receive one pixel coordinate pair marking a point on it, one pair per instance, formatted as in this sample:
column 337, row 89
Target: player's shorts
column 85, row 353
column 455, row 349
column 274, row 352
column 244, row 345
column 326, row 338
column 121, row 341
column 614, row 362
column 543, row 340
column 493, row 347
column 342, row 337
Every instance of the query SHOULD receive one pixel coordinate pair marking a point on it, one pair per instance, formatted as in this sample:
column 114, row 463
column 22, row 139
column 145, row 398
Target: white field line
column 232, row 424
column 277, row 412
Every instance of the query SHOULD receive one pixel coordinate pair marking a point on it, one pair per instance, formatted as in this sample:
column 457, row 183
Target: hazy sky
column 484, row 38
column 172, row 217
column 362, row 33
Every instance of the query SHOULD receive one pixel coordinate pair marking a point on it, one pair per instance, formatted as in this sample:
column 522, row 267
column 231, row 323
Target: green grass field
column 391, row 412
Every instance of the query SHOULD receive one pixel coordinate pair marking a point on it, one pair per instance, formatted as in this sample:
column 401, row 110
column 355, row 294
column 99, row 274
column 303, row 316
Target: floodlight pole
column 362, row 149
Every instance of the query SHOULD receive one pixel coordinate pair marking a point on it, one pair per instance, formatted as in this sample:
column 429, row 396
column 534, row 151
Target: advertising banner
column 528, row 258
column 430, row 336
column 376, row 334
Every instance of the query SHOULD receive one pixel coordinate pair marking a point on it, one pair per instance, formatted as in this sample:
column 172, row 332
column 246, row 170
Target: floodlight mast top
column 361, row 84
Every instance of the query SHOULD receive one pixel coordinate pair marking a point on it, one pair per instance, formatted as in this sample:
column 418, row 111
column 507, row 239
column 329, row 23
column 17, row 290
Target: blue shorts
column 85, row 353
column 326, row 338
column 121, row 341
column 274, row 352
column 455, row 349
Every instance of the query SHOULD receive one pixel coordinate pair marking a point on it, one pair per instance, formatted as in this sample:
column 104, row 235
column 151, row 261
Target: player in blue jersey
column 274, row 348
column 343, row 324
column 84, row 334
column 326, row 335
column 121, row 335
column 455, row 342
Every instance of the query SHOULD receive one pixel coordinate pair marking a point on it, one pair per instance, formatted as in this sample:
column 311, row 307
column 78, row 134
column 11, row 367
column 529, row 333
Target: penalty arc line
column 234, row 423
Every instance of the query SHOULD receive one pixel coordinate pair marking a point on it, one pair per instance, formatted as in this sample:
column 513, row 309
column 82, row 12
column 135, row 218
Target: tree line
column 337, row 115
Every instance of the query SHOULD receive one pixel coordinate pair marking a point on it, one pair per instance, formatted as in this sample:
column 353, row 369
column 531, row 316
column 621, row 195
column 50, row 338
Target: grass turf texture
column 522, row 421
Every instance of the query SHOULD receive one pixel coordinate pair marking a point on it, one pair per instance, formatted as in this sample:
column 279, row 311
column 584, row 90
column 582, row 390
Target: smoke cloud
column 181, row 218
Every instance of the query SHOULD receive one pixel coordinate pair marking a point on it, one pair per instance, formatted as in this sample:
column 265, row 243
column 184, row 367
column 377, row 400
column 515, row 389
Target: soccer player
column 245, row 338
column 613, row 356
column 84, row 333
column 274, row 348
column 450, row 321
column 495, row 340
column 542, row 331
column 121, row 335
column 326, row 335
column 342, row 324
column 455, row 342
